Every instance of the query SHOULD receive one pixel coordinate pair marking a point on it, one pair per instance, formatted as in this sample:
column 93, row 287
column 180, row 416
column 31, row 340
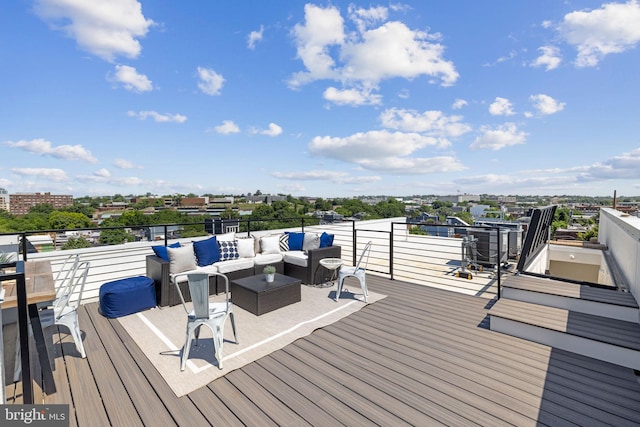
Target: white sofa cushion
column 234, row 265
column 270, row 244
column 246, row 247
column 226, row 237
column 265, row 259
column 296, row 258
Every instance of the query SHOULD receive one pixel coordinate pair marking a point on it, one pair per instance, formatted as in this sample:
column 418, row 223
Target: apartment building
column 20, row 203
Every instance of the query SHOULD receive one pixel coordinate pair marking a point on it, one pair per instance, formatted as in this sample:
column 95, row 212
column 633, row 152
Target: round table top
column 331, row 263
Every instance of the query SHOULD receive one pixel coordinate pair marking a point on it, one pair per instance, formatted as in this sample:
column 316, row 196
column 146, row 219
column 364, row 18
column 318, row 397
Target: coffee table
column 257, row 296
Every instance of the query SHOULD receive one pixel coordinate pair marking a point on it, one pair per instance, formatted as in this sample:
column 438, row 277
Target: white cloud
column 351, row 97
column 368, row 54
column 366, row 18
column 459, row 103
column 324, row 27
column 323, row 175
column 501, row 107
column 625, row 166
column 125, row 164
column 160, row 118
column 383, row 151
column 108, row 29
column 393, row 50
column 43, row 147
column 499, row 138
column 51, row 174
column 102, row 173
column 227, row 127
column 614, row 28
column 131, row 80
column 414, row 166
column 434, row 123
column 254, row 37
column 210, row 81
column 549, row 58
column 546, row 105
column 274, row 130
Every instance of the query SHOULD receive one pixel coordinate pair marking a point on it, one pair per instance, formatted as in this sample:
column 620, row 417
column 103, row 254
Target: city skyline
column 327, row 99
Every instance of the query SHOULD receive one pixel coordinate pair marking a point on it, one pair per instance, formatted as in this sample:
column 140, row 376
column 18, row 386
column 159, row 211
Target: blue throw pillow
column 207, row 251
column 326, row 240
column 161, row 250
column 295, row 241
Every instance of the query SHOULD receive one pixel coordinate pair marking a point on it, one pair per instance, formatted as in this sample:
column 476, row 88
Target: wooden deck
column 421, row 356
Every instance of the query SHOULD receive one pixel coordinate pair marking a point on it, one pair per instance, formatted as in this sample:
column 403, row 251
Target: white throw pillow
column 226, row 237
column 311, row 241
column 270, row 245
column 246, row 248
column 181, row 259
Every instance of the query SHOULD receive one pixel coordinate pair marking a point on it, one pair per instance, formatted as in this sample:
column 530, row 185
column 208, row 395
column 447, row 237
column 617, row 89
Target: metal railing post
column 354, row 241
column 498, row 260
column 391, row 251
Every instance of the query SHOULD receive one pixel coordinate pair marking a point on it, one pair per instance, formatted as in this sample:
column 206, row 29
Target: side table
column 334, row 265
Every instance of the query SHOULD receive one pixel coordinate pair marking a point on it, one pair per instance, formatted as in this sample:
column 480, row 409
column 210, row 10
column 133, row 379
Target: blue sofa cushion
column 161, row 250
column 207, row 251
column 295, row 241
column 326, row 240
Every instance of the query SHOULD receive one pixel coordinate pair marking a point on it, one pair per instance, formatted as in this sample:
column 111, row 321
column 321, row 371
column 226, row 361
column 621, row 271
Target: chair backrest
column 199, row 290
column 67, row 272
column 76, row 283
column 364, row 255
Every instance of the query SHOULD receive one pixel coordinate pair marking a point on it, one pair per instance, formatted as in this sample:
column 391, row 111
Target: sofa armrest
column 316, row 273
column 158, row 270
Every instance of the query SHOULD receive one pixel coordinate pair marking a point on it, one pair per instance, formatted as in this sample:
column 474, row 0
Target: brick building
column 20, row 203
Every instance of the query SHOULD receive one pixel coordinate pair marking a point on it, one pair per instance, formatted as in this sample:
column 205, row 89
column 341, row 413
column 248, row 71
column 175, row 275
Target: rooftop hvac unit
column 487, row 246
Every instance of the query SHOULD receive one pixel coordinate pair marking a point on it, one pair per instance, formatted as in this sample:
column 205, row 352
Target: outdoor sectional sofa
column 236, row 256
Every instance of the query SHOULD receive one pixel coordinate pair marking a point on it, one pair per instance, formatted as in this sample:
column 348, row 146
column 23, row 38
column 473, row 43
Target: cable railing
column 425, row 253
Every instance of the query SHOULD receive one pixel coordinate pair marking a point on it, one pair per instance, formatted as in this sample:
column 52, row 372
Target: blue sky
column 328, row 99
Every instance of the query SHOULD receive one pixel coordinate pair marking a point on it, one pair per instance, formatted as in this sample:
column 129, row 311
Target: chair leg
column 185, row 349
column 339, row 290
column 363, row 285
column 233, row 326
column 74, row 329
column 217, row 342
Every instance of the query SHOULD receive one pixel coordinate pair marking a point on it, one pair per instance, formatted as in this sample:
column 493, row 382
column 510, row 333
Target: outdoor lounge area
column 424, row 354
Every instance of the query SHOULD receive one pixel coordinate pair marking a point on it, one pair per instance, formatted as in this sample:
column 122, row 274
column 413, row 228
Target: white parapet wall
column 621, row 233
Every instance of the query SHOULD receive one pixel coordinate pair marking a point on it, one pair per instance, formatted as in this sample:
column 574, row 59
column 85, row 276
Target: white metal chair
column 359, row 271
column 64, row 311
column 205, row 313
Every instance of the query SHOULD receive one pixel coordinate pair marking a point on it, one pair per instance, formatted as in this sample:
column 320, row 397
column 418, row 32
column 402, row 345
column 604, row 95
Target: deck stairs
column 591, row 321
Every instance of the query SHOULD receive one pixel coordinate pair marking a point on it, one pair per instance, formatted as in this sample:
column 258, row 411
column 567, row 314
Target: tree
column 76, row 243
column 44, row 208
column 390, row 208
column 133, row 218
column 115, row 236
column 59, row 220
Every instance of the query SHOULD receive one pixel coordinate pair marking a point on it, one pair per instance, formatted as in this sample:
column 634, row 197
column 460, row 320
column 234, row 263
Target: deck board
column 421, row 356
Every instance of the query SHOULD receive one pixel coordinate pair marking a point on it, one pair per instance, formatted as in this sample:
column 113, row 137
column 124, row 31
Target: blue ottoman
column 127, row 296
